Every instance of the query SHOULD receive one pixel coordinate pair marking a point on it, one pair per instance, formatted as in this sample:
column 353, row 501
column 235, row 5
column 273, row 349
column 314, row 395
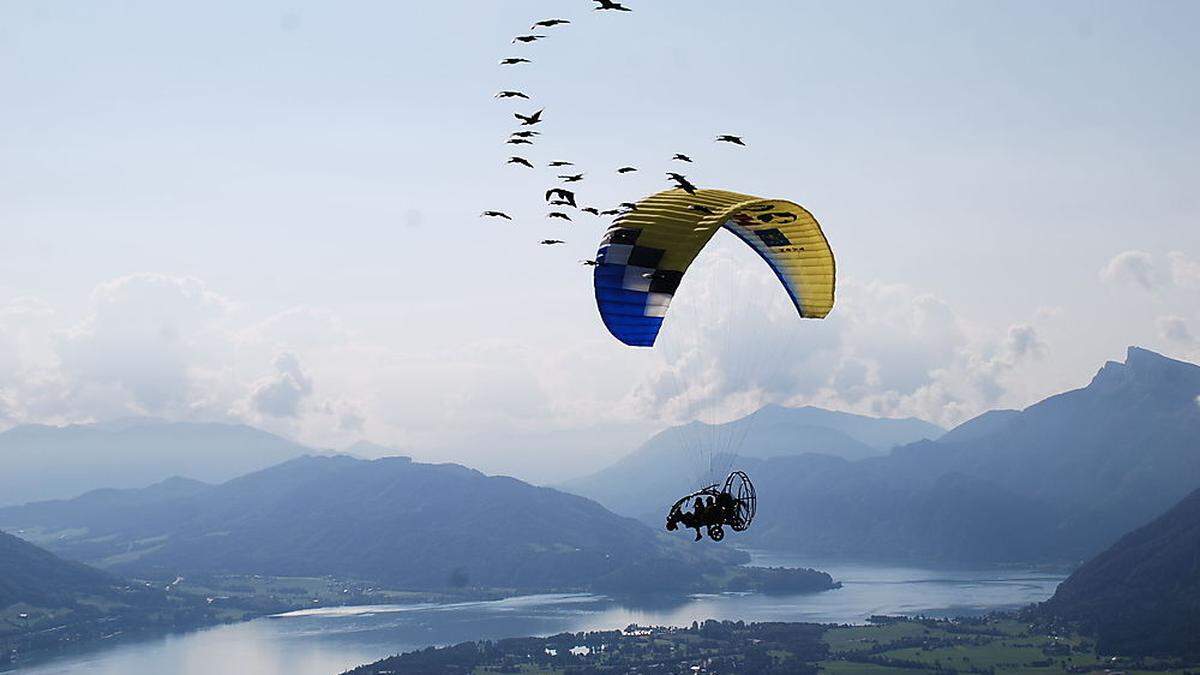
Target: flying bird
column 551, row 242
column 558, row 214
column 527, row 38
column 726, row 138
column 512, row 61
column 591, row 209
column 525, row 134
column 572, row 178
column 495, row 214
column 560, row 163
column 528, row 120
column 681, row 158
column 510, row 94
column 683, row 183
column 626, row 169
column 611, row 212
column 519, row 141
column 609, row 4
column 519, row 160
column 589, row 263
column 561, row 193
column 702, row 209
column 628, row 206
column 548, row 23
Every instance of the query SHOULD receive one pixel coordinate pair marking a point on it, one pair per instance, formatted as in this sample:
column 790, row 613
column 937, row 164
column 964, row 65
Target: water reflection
column 330, row 640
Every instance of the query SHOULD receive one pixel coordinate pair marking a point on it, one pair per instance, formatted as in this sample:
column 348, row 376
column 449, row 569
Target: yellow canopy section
column 645, row 253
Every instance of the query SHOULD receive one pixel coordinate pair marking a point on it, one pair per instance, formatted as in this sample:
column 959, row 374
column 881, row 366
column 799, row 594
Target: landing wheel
column 716, row 532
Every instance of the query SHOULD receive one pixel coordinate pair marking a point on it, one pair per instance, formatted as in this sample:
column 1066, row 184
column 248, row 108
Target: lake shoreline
column 339, row 637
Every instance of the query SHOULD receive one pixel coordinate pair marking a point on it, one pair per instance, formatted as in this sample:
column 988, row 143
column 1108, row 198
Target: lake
column 330, row 640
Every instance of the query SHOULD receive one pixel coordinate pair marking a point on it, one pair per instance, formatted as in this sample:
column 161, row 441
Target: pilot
column 725, row 506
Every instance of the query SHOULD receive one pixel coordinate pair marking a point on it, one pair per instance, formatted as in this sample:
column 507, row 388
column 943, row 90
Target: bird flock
column 560, row 201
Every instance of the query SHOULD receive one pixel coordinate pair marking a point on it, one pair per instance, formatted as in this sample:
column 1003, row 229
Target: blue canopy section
column 624, row 311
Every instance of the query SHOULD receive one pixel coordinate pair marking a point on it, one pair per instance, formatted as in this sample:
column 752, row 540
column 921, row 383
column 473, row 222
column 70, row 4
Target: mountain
column 368, row 450
column 388, row 521
column 674, row 460
column 43, row 462
column 983, row 425
column 1142, row 595
column 1056, row 482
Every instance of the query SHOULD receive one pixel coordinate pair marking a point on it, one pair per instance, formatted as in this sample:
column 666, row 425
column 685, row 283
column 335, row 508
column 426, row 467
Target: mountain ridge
column 389, row 520
column 39, row 462
column 675, row 462
column 1055, row 482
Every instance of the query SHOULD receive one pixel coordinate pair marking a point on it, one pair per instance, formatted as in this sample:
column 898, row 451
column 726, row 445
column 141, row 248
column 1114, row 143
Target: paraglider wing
column 644, row 255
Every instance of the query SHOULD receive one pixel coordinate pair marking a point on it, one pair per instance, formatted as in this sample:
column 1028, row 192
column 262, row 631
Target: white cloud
column 1023, row 342
column 1132, row 267
column 887, row 349
column 168, row 346
column 281, row 394
column 1185, row 272
column 1175, row 329
column 351, row 422
column 143, row 345
column 1139, row 268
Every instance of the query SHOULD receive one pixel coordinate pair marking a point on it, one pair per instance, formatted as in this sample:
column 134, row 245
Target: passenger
column 699, row 513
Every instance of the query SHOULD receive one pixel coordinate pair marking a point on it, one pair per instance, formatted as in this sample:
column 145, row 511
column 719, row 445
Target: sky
column 268, row 212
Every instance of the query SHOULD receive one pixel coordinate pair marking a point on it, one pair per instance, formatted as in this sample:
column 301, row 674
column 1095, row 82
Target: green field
column 998, row 645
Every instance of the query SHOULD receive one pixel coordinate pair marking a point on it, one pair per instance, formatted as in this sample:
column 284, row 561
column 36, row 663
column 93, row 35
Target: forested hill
column 47, row 603
column 1142, row 596
column 34, row 576
column 391, row 521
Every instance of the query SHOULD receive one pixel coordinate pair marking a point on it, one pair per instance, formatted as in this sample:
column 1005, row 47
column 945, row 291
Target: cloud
column 351, row 422
column 152, row 344
column 281, row 394
column 1022, row 342
column 173, row 347
column 1139, row 268
column 1175, row 329
column 887, row 349
column 1132, row 267
column 1184, row 271
column 143, row 344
